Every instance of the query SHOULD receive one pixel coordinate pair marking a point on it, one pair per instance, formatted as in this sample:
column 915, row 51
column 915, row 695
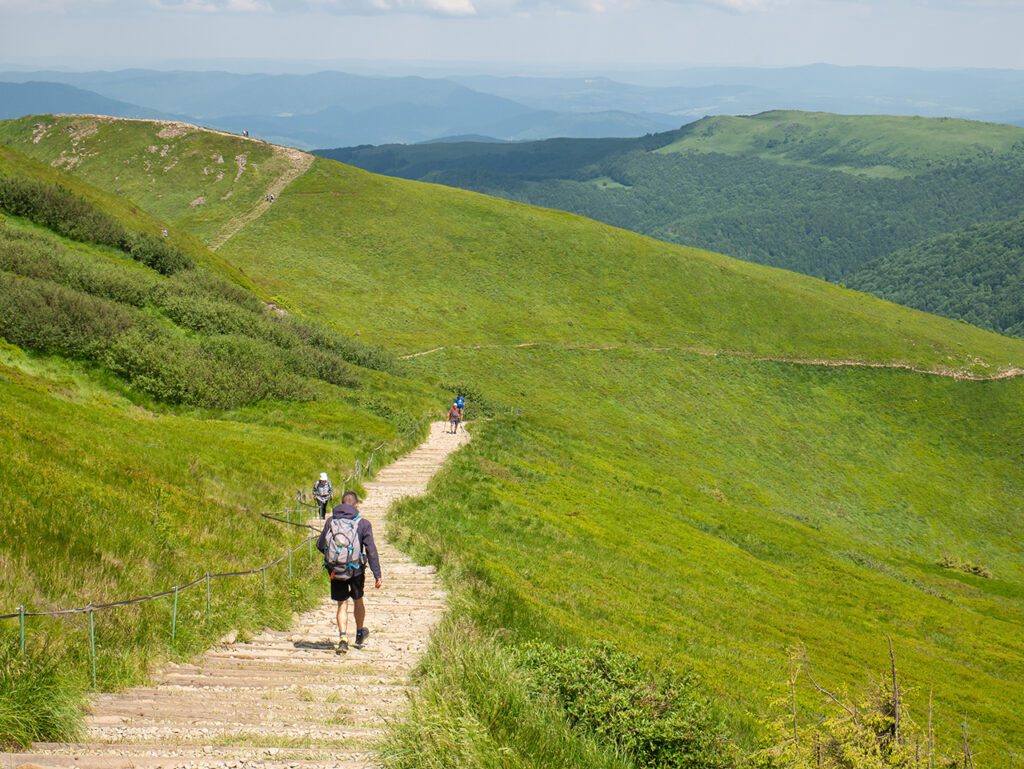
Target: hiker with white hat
column 323, row 492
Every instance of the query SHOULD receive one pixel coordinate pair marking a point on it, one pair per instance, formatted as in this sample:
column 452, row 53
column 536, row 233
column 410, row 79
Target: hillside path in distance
column 298, row 163
column 707, row 352
column 284, row 700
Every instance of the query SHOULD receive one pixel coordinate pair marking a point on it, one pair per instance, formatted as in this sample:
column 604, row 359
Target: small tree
column 873, row 731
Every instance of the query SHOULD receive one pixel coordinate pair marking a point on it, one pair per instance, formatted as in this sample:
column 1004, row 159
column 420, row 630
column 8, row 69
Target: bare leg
column 342, row 617
column 359, row 610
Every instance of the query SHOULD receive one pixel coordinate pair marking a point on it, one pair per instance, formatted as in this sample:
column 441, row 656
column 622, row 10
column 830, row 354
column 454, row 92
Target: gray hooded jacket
column 365, row 529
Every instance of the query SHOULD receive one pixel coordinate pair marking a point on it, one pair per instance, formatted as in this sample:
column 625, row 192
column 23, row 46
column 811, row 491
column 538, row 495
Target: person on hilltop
column 453, row 419
column 323, row 492
column 348, row 547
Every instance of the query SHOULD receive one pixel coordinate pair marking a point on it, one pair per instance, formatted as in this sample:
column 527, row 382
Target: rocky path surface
column 284, row 700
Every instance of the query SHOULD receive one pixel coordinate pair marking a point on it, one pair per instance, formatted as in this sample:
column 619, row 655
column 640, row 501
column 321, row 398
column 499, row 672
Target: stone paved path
column 284, row 700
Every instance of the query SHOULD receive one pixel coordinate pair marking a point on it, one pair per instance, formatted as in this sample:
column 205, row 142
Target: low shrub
column 351, row 350
column 661, row 719
column 154, row 253
column 64, row 212
column 40, row 315
column 57, row 208
column 34, row 256
column 872, row 731
column 967, row 567
column 474, row 709
column 219, row 372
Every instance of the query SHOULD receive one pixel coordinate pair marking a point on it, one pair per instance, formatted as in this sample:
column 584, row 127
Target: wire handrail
column 22, row 613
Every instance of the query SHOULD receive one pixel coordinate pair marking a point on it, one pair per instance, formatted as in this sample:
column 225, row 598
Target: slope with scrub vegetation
column 151, row 408
column 642, row 476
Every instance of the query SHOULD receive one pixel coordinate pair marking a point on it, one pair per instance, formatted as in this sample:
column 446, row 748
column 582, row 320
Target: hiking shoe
column 342, row 646
column 361, row 635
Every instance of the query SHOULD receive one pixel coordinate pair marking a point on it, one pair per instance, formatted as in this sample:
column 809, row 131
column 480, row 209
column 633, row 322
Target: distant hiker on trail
column 460, row 401
column 348, row 546
column 453, row 419
column 323, row 492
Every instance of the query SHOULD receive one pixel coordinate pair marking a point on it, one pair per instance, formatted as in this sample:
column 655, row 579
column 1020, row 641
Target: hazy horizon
column 508, row 36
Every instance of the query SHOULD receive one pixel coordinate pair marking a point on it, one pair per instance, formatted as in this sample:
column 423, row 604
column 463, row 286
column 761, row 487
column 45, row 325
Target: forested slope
column 975, row 274
column 825, row 195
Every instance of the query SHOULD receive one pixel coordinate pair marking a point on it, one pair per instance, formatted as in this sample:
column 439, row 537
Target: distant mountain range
column 33, row 98
column 331, row 109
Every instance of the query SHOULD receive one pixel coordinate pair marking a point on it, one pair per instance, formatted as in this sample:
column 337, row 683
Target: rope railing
column 22, row 615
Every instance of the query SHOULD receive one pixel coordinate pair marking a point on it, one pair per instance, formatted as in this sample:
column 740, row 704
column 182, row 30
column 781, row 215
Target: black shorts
column 343, row 589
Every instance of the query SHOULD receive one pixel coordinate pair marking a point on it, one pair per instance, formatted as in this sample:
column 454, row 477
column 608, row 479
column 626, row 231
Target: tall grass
column 475, row 708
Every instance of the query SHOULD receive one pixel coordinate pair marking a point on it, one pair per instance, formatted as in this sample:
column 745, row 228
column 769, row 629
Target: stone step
column 284, row 700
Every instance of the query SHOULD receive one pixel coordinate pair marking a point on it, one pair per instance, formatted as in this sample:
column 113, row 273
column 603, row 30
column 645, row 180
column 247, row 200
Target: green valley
column 825, row 195
column 663, row 457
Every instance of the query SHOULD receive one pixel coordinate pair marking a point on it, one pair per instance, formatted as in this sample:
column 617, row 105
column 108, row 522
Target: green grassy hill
column 826, row 195
column 147, row 415
column 647, row 477
column 878, row 145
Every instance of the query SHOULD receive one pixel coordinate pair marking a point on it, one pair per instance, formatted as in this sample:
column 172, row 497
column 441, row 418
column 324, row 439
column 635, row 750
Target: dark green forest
column 976, row 274
column 806, row 211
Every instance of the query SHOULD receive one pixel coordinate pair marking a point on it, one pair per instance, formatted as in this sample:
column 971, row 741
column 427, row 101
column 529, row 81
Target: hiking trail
column 1009, row 372
column 298, row 162
column 284, row 700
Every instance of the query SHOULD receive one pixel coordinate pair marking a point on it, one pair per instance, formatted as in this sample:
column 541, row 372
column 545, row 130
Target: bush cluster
column 44, row 316
column 191, row 338
column 60, row 210
column 35, row 256
column 948, row 561
column 661, row 720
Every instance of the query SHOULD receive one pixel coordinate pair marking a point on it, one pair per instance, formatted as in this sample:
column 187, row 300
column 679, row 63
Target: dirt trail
column 950, row 373
column 284, row 700
column 298, row 162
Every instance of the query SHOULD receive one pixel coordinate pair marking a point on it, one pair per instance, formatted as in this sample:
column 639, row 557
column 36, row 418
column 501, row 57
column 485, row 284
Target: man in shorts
column 349, row 580
column 453, row 419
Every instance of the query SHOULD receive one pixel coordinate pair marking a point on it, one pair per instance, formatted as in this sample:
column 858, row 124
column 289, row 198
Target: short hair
column 349, row 495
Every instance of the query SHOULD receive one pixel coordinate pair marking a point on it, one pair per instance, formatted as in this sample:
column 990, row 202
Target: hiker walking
column 348, row 547
column 453, row 419
column 323, row 492
column 460, row 401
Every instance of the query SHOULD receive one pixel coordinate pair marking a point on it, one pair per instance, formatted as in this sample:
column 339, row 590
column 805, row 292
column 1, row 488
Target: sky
column 510, row 35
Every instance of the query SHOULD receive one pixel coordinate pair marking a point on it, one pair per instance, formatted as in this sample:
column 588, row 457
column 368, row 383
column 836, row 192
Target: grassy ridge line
column 196, row 180
column 1007, row 373
column 18, row 164
column 874, row 145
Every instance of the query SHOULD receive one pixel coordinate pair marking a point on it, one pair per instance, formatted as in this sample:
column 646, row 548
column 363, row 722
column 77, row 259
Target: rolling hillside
column 825, row 195
column 685, row 456
column 140, row 389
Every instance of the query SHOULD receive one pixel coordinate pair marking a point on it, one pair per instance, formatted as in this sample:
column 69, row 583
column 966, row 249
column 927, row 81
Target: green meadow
column 635, row 479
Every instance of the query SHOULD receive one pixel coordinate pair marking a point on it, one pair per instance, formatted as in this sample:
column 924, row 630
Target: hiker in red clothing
column 454, row 417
